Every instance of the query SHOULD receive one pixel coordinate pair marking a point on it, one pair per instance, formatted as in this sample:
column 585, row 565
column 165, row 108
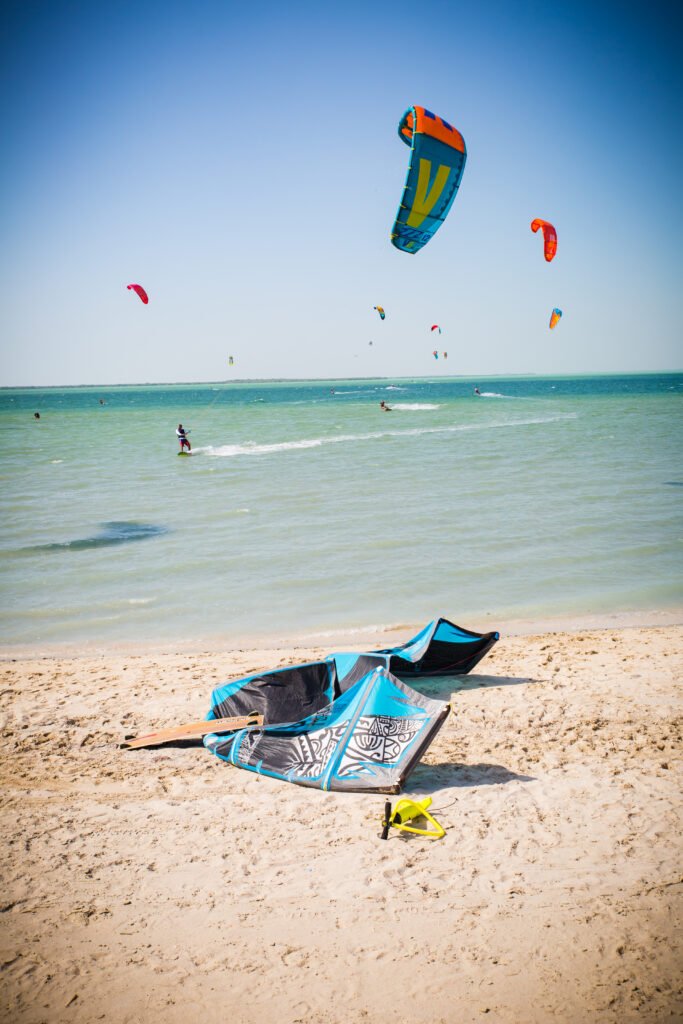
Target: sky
column 242, row 163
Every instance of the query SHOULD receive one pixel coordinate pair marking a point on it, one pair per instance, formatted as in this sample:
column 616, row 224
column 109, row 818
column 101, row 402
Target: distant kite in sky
column 435, row 354
column 549, row 237
column 380, row 310
column 139, row 290
column 231, row 361
column 445, row 355
column 435, row 327
column 555, row 317
column 437, row 160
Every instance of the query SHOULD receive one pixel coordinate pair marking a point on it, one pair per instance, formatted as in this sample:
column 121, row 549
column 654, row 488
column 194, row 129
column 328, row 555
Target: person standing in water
column 181, row 434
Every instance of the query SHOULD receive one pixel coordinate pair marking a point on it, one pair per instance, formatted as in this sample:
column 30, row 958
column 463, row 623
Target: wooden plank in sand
column 191, row 730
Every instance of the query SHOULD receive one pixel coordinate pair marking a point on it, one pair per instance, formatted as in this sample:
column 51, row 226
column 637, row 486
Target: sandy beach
column 163, row 885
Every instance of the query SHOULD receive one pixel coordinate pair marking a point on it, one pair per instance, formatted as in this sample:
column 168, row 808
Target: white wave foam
column 229, row 451
column 510, row 398
column 414, row 406
column 330, row 634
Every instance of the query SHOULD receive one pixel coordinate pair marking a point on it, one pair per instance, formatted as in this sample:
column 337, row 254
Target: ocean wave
column 253, row 448
column 414, row 406
column 512, row 398
column 330, row 634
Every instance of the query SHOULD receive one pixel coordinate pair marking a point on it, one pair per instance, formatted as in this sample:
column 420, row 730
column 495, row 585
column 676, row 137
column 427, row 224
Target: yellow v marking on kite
column 424, row 200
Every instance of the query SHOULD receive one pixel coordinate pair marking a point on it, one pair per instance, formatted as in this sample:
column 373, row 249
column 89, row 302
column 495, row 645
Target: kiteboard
column 184, row 453
column 192, row 730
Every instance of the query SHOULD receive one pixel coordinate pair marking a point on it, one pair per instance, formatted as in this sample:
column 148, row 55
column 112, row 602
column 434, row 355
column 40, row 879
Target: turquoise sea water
column 305, row 508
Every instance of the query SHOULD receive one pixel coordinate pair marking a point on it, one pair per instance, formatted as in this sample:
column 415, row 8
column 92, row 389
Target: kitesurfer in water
column 384, row 407
column 477, row 391
column 181, row 434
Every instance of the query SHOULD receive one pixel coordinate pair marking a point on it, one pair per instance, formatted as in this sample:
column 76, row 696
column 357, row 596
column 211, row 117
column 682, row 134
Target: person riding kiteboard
column 181, row 434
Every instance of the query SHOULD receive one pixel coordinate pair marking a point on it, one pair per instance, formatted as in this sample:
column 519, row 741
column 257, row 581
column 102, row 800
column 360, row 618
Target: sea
column 306, row 510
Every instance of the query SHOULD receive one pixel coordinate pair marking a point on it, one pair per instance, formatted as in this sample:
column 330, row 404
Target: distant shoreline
column 331, row 380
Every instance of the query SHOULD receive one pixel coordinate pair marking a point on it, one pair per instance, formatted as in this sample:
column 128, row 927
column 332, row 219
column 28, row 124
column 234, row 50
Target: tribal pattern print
column 247, row 746
column 376, row 739
column 310, row 754
column 379, row 740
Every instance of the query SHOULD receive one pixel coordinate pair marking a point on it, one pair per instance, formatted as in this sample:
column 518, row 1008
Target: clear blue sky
column 242, row 163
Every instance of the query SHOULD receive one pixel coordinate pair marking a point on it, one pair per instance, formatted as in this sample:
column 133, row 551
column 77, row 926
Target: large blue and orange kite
column 437, row 160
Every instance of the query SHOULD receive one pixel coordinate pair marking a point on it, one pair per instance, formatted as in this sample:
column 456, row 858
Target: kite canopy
column 282, row 695
column 555, row 317
column 380, row 310
column 549, row 237
column 347, row 722
column 440, row 649
column 437, row 161
column 435, row 327
column 367, row 739
column 139, row 290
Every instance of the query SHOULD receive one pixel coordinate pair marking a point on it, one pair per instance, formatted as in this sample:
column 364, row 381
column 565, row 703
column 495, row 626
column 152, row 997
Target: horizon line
column 313, row 380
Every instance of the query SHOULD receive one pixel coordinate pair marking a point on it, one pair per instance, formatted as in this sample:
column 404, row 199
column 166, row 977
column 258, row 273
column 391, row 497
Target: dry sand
column 165, row 886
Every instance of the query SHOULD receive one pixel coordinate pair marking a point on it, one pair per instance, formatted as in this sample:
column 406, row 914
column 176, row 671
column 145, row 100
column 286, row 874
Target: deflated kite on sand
column 344, row 723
